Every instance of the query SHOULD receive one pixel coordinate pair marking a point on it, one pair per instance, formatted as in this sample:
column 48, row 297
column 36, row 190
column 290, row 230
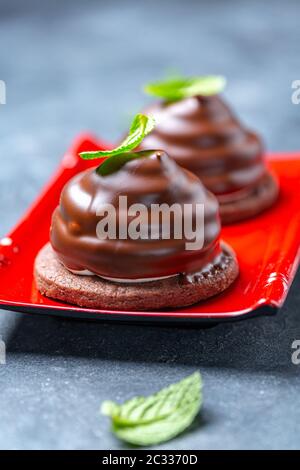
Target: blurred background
column 76, row 65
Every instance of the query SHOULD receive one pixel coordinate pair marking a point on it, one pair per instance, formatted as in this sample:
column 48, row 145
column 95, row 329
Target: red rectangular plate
column 267, row 248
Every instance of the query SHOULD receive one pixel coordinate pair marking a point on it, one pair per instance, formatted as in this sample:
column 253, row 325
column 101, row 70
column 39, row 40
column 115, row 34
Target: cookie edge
column 254, row 204
column 141, row 296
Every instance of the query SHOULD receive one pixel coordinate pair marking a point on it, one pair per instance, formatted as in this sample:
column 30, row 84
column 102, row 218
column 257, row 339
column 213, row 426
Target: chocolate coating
column 203, row 136
column 152, row 179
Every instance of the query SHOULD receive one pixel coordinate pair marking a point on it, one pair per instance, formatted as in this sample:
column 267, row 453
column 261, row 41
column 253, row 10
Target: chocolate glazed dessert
column 150, row 272
column 202, row 134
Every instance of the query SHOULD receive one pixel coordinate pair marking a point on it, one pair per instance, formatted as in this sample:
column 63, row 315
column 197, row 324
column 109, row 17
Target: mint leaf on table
column 177, row 88
column 157, row 418
column 140, row 127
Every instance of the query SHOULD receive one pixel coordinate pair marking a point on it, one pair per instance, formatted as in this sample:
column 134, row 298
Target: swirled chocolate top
column 151, row 179
column 202, row 135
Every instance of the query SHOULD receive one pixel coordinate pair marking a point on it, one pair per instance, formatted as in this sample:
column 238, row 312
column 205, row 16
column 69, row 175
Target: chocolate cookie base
column 261, row 198
column 55, row 281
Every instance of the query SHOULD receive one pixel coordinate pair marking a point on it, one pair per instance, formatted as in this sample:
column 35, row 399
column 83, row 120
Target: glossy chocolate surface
column 152, row 179
column 203, row 135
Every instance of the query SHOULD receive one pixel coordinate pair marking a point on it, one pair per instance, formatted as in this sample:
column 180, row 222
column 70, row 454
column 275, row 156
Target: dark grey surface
column 76, row 65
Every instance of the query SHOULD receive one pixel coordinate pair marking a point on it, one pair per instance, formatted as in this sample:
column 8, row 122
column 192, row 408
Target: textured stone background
column 76, row 65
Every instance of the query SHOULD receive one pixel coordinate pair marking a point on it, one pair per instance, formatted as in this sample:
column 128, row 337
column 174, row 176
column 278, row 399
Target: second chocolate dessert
column 202, row 134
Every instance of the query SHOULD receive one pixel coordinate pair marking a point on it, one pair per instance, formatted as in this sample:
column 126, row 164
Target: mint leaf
column 114, row 163
column 178, row 88
column 151, row 420
column 140, row 127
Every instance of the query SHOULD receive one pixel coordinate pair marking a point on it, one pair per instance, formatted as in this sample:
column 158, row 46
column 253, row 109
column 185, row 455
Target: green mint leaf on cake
column 146, row 421
column 114, row 163
column 140, row 127
column 177, row 88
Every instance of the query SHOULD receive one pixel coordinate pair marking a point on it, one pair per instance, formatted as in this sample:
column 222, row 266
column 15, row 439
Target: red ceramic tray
column 267, row 248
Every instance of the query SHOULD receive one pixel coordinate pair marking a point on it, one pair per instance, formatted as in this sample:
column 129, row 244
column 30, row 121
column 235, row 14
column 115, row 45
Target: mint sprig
column 157, row 418
column 140, row 127
column 178, row 88
column 114, row 163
